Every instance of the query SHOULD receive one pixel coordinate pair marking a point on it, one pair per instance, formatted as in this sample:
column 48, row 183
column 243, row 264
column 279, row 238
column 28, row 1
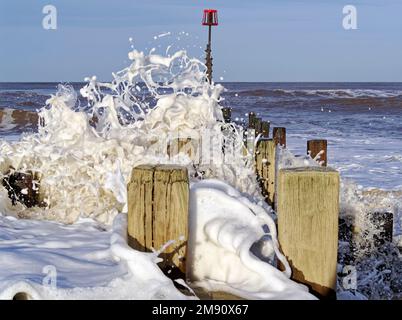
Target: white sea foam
column 85, row 168
column 85, row 159
column 344, row 93
column 224, row 224
column 76, row 160
column 89, row 263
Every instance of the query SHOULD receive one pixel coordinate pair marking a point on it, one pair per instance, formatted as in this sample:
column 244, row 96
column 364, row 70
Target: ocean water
column 361, row 121
column 84, row 171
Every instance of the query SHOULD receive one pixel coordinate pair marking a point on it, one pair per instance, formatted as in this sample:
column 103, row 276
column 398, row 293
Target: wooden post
column 308, row 210
column 158, row 199
column 314, row 147
column 265, row 167
column 279, row 136
column 251, row 120
column 187, row 146
column 257, row 125
column 23, row 188
column 227, row 114
column 265, row 129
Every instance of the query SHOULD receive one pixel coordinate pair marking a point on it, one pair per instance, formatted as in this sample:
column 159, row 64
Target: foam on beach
column 84, row 156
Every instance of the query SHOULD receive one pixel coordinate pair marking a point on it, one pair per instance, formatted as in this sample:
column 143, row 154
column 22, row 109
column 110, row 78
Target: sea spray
column 364, row 253
column 84, row 155
column 124, row 123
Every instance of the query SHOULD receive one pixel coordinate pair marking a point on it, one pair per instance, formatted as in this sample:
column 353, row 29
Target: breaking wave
column 84, row 154
column 322, row 93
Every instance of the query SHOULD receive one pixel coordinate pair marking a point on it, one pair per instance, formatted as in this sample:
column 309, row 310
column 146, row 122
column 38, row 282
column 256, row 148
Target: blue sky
column 260, row 40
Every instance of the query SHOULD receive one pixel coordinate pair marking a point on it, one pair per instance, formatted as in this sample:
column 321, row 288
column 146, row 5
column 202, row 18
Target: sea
column 361, row 121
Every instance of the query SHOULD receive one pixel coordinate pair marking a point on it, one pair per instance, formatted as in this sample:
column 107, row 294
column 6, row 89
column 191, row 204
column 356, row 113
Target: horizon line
column 73, row 82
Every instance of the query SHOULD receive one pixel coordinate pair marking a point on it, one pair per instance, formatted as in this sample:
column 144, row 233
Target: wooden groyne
column 158, row 200
column 307, row 202
column 308, row 209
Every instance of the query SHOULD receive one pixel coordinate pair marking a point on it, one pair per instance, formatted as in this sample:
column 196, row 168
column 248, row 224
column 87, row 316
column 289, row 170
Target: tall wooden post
column 308, row 210
column 279, row 136
column 315, row 147
column 265, row 167
column 265, row 129
column 209, row 19
column 251, row 120
column 158, row 200
column 257, row 126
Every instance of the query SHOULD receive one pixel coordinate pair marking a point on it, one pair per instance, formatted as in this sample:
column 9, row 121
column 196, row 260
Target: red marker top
column 210, row 17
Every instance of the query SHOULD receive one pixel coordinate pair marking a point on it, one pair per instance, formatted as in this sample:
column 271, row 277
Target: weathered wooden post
column 158, row 199
column 23, row 187
column 178, row 145
column 257, row 126
column 265, row 129
column 187, row 146
column 227, row 114
column 265, row 167
column 308, row 210
column 279, row 136
column 251, row 120
column 315, row 147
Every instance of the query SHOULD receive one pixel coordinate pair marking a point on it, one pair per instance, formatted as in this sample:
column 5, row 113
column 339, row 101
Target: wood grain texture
column 308, row 210
column 171, row 198
column 265, row 168
column 158, row 198
column 140, row 209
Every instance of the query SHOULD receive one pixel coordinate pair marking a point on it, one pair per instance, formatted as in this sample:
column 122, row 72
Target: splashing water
column 85, row 154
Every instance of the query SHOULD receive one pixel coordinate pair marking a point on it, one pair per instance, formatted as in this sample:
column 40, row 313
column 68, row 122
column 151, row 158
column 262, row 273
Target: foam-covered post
column 265, row 168
column 279, row 136
column 23, row 188
column 227, row 114
column 249, row 147
column 308, row 210
column 158, row 200
column 315, row 147
column 265, row 129
column 188, row 146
